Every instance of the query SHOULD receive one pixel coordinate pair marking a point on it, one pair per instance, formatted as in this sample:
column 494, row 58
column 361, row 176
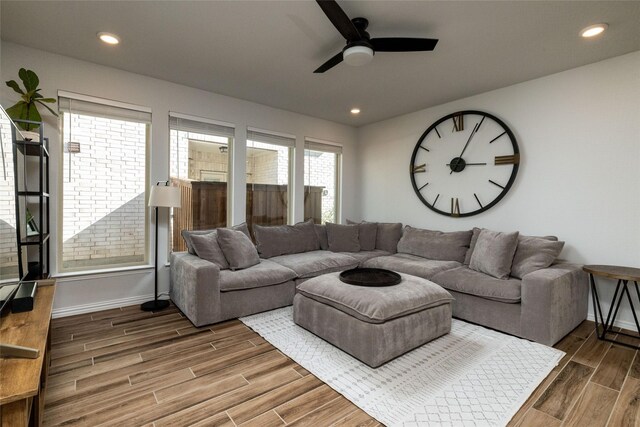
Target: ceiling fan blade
column 403, row 44
column 339, row 19
column 335, row 60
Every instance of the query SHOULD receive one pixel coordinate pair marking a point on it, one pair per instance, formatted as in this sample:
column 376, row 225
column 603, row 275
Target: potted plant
column 27, row 107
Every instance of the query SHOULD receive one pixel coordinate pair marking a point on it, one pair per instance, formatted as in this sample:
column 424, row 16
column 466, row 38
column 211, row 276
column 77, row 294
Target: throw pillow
column 435, row 245
column 476, row 233
column 206, row 247
column 367, row 232
column 321, row 232
column 388, row 235
column 534, row 253
column 238, row 249
column 286, row 239
column 472, row 245
column 186, row 235
column 343, row 238
column 493, row 253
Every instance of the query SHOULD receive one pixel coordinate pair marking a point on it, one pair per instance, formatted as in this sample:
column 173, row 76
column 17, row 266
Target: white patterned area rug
column 470, row 377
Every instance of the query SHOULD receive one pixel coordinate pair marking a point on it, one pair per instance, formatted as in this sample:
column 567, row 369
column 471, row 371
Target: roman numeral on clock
column 513, row 159
column 424, row 148
column 419, row 168
column 455, row 207
column 458, row 123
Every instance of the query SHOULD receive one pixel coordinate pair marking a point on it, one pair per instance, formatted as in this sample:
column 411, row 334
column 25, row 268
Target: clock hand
column 475, row 128
column 473, row 132
column 469, row 164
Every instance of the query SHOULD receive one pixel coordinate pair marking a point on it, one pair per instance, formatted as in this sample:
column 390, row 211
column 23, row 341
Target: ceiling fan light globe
column 357, row 55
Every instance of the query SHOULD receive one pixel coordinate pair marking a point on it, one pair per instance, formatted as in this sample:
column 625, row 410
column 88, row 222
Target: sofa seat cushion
column 363, row 256
column 315, row 263
column 266, row 273
column 376, row 304
column 468, row 281
column 411, row 264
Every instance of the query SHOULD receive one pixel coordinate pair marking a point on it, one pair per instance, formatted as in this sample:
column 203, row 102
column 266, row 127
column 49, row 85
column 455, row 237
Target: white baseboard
column 619, row 323
column 102, row 305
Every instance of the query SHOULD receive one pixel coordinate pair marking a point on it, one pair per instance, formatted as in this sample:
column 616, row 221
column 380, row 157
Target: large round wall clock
column 464, row 163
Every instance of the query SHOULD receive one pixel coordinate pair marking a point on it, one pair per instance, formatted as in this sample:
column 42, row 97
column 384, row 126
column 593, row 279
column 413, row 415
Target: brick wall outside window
column 104, row 192
column 8, row 246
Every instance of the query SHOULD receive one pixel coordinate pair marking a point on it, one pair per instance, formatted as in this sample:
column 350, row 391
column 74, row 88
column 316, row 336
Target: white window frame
column 231, row 143
column 315, row 144
column 144, row 114
column 283, row 140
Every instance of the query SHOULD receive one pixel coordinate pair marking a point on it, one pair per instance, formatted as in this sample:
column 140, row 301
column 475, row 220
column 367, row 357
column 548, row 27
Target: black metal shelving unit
column 31, row 169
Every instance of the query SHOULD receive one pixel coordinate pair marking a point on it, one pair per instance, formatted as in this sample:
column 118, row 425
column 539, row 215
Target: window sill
column 103, row 272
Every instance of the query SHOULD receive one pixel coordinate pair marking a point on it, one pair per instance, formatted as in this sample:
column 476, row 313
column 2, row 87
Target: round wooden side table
column 624, row 275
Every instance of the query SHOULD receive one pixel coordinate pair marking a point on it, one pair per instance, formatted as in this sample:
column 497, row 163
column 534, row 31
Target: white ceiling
column 266, row 51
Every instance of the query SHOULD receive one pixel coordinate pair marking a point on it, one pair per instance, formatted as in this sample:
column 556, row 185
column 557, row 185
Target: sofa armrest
column 554, row 301
column 195, row 287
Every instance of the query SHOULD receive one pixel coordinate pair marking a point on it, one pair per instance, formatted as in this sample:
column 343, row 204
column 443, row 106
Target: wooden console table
column 23, row 381
column 624, row 275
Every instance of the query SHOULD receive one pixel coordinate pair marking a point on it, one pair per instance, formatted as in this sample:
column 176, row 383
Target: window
column 8, row 244
column 321, row 181
column 200, row 166
column 104, row 181
column 268, row 177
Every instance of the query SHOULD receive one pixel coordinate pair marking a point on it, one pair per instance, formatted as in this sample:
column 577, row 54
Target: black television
column 9, row 270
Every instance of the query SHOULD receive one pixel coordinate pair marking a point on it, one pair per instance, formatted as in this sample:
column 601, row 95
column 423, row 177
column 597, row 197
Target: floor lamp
column 161, row 196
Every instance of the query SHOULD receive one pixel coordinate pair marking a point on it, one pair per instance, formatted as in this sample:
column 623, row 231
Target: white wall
column 579, row 137
column 63, row 73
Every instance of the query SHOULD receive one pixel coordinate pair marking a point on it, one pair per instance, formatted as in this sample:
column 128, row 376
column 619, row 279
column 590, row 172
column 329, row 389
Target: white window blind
column 104, row 110
column 195, row 126
column 270, row 138
column 320, row 146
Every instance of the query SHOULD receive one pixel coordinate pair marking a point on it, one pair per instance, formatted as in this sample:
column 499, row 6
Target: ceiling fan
column 360, row 47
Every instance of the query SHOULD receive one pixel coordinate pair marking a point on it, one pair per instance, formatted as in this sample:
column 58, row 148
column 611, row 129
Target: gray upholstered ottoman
column 373, row 324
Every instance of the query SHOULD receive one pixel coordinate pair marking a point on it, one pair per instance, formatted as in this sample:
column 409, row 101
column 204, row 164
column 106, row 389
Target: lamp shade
column 164, row 196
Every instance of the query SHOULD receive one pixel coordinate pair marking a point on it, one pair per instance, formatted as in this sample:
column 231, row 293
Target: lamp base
column 155, row 305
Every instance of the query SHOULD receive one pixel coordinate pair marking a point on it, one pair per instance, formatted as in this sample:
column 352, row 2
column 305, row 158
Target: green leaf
column 39, row 101
column 29, row 79
column 14, row 85
column 34, row 115
column 36, row 95
column 49, row 100
column 18, row 111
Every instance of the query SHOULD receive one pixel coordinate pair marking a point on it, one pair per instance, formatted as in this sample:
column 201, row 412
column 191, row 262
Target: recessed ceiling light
column 355, row 111
column 593, row 30
column 109, row 38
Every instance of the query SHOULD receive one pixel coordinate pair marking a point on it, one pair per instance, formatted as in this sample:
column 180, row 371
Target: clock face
column 464, row 163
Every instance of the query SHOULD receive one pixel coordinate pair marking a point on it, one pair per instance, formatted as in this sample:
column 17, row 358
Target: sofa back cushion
column 237, row 248
column 493, row 253
column 186, row 235
column 206, row 247
column 286, row 239
column 367, row 232
column 534, row 253
column 323, row 240
column 388, row 235
column 343, row 238
column 435, row 245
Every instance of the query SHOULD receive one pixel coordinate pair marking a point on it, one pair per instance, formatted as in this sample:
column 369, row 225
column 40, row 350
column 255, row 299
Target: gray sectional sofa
column 504, row 281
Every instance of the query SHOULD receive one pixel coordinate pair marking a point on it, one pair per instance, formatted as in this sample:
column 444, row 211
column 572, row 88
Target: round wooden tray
column 374, row 277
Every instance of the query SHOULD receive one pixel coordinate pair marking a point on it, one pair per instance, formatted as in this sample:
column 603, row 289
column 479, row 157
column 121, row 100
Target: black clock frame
column 512, row 178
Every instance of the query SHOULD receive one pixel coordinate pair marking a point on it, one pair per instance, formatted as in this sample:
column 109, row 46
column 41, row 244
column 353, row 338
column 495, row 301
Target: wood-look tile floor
column 126, row 367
